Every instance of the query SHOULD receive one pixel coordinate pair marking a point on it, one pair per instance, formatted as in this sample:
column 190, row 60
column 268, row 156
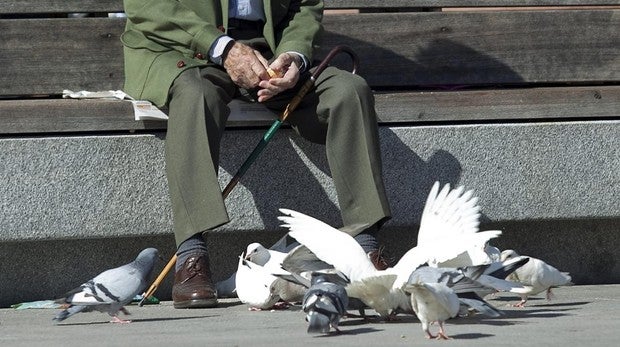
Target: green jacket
column 162, row 38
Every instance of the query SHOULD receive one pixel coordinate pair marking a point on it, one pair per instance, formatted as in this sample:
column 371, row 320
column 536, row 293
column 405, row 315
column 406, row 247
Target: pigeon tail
column 318, row 323
column 482, row 307
column 64, row 314
column 507, row 267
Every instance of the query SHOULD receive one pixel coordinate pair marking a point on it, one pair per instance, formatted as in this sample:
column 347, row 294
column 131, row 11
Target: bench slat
column 59, row 6
column 45, row 56
column 419, row 49
column 56, row 115
column 86, row 6
column 558, row 103
column 461, row 3
column 473, row 48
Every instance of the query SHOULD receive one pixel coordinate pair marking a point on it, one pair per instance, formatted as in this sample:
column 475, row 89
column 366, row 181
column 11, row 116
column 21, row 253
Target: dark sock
column 193, row 245
column 367, row 240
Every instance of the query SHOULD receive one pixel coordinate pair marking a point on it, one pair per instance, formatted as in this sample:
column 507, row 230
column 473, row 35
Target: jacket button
column 180, row 64
column 199, row 56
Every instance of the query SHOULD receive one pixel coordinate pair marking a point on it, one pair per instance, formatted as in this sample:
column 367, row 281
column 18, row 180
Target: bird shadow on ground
column 134, row 321
column 562, row 304
column 470, row 336
column 225, row 304
column 356, row 331
column 374, row 319
column 509, row 316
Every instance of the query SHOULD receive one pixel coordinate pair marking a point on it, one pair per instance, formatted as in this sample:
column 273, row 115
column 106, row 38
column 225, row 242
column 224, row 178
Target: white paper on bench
column 142, row 109
column 145, row 110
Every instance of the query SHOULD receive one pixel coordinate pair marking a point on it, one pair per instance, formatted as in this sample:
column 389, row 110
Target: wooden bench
column 429, row 61
column 517, row 99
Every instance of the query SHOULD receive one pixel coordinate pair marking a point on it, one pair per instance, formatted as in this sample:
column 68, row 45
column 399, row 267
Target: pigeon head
column 257, row 254
column 145, row 261
column 508, row 254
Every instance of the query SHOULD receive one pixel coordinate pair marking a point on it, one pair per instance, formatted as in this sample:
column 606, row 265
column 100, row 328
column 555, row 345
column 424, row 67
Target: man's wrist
column 300, row 60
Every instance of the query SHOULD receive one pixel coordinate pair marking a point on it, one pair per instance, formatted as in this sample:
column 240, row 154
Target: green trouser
column 339, row 113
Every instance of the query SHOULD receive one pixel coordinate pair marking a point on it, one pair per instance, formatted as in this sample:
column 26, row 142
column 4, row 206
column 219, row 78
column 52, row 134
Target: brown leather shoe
column 192, row 284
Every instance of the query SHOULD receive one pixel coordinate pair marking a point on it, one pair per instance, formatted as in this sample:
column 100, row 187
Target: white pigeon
column 268, row 258
column 257, row 253
column 536, row 276
column 253, row 285
column 450, row 223
column 112, row 289
column 433, row 302
column 452, row 216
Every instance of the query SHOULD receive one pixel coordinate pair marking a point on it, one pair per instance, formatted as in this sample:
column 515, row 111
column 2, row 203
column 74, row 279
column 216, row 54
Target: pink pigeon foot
column 115, row 319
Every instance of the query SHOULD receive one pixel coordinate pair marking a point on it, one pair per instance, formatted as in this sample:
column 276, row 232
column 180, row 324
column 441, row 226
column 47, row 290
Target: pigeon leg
column 115, row 319
column 441, row 335
column 124, row 310
column 427, row 331
column 549, row 294
column 281, row 305
column 520, row 303
column 392, row 317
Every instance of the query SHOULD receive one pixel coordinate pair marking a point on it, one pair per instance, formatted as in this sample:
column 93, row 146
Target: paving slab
column 576, row 316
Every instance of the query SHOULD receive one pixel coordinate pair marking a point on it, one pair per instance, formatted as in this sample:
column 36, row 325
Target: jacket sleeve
column 301, row 29
column 171, row 24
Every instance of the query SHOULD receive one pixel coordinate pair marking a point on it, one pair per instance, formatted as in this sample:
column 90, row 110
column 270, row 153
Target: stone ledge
column 108, row 186
column 73, row 206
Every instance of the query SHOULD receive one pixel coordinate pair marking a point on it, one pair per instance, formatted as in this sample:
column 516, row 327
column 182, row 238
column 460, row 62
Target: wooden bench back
column 403, row 45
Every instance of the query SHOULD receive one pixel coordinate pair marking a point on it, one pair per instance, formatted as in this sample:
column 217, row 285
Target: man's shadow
column 280, row 176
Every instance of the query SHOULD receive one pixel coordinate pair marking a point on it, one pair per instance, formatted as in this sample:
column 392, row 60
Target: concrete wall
column 75, row 205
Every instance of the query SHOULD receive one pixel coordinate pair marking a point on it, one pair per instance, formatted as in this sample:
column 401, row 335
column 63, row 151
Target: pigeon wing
column 328, row 244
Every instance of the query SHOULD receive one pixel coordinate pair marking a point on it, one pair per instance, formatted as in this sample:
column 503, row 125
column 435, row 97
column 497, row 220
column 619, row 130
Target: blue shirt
column 246, row 9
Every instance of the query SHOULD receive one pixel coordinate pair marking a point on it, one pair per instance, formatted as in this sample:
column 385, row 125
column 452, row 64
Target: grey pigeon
column 325, row 303
column 463, row 283
column 112, row 289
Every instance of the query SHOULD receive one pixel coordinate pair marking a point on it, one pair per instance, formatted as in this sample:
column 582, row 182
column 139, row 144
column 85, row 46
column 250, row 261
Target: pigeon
column 294, row 278
column 462, row 281
column 450, row 214
column 259, row 255
column 493, row 252
column 253, row 285
column 433, row 302
column 227, row 288
column 450, row 223
column 267, row 258
column 536, row 276
column 494, row 277
column 325, row 303
column 112, row 289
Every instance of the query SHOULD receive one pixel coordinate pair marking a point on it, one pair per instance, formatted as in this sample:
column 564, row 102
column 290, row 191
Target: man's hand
column 246, row 66
column 286, row 65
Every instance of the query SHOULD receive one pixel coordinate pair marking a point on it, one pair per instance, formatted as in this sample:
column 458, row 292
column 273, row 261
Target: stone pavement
column 577, row 316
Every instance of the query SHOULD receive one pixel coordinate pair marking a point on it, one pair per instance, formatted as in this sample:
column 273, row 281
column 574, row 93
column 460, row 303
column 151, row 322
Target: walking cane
column 262, row 143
